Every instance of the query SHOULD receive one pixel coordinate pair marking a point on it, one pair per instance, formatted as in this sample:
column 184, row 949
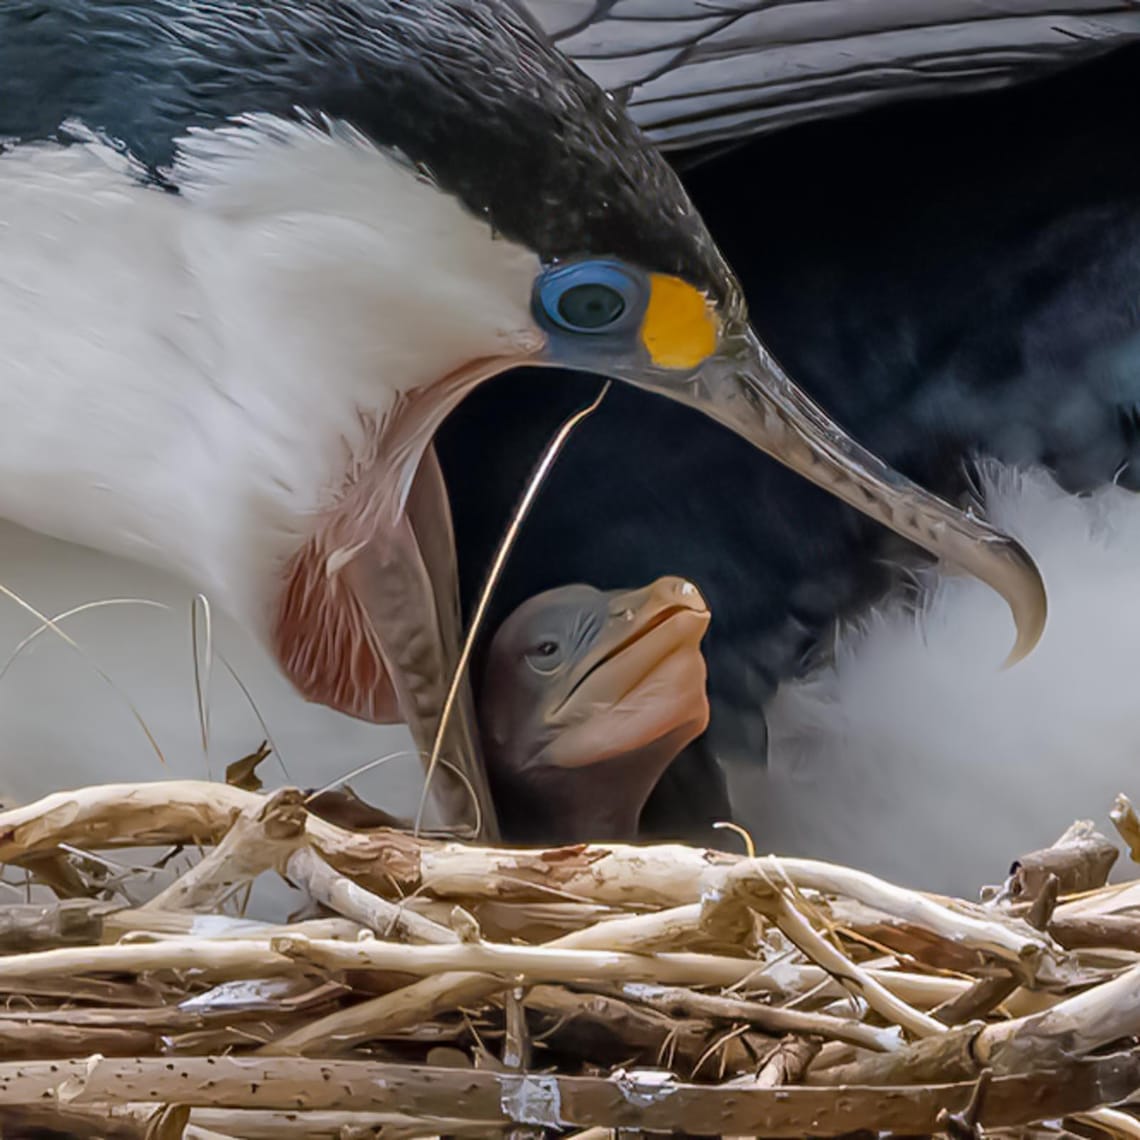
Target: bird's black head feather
column 468, row 89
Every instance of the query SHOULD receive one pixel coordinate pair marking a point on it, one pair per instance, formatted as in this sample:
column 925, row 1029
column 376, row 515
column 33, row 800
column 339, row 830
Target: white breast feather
column 186, row 380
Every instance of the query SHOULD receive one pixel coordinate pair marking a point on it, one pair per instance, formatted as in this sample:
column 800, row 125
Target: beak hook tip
column 1029, row 605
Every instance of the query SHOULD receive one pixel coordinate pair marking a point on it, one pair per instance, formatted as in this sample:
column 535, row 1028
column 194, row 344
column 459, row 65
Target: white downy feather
column 916, row 757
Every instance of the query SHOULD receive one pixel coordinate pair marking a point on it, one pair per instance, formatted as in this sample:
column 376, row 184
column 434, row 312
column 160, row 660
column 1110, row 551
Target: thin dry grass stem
column 717, row 1049
column 745, row 835
column 266, row 732
column 56, row 620
column 203, row 669
column 498, row 562
column 103, row 675
column 362, row 769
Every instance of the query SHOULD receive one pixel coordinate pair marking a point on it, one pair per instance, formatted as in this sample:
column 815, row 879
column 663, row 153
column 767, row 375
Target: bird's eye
column 545, row 656
column 591, row 306
column 589, row 297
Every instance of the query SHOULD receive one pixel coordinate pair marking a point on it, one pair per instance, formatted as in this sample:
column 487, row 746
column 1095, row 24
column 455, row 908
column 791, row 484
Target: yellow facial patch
column 680, row 327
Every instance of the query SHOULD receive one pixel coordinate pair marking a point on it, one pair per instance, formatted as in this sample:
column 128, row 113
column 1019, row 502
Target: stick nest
column 434, row 988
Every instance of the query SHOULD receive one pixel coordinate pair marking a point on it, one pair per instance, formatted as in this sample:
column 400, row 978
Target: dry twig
column 1127, row 824
column 262, row 837
column 768, row 979
column 626, row 1100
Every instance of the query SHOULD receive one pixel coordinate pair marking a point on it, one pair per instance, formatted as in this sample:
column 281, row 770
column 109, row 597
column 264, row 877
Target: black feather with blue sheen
column 468, row 89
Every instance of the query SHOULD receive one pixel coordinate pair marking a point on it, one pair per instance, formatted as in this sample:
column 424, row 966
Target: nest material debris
column 443, row 989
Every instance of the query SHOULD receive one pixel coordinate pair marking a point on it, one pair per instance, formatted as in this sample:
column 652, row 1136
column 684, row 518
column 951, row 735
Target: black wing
column 695, row 72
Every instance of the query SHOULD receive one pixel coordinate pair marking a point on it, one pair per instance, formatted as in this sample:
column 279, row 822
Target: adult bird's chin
column 743, row 387
column 368, row 621
column 410, row 426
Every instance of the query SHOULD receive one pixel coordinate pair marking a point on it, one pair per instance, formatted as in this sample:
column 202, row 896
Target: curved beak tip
column 1028, row 601
column 679, row 591
column 745, row 388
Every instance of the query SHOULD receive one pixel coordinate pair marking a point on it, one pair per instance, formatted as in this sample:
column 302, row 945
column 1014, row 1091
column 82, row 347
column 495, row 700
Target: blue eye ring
column 590, row 298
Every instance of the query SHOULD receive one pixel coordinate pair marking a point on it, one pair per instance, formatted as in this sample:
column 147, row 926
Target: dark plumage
column 449, row 84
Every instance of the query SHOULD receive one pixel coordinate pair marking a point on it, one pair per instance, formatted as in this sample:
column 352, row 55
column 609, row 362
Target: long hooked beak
column 744, row 388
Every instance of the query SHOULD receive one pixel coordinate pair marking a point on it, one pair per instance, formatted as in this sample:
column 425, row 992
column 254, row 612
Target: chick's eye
column 590, row 297
column 545, row 656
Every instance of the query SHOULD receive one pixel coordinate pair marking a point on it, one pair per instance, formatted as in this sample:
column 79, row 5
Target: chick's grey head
column 587, row 697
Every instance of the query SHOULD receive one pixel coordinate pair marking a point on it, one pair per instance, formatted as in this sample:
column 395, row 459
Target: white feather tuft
column 190, row 380
column 913, row 755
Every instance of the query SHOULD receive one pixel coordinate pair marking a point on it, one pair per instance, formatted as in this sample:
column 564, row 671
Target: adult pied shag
column 251, row 255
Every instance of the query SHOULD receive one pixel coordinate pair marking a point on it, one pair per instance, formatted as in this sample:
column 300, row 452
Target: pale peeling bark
column 387, row 861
